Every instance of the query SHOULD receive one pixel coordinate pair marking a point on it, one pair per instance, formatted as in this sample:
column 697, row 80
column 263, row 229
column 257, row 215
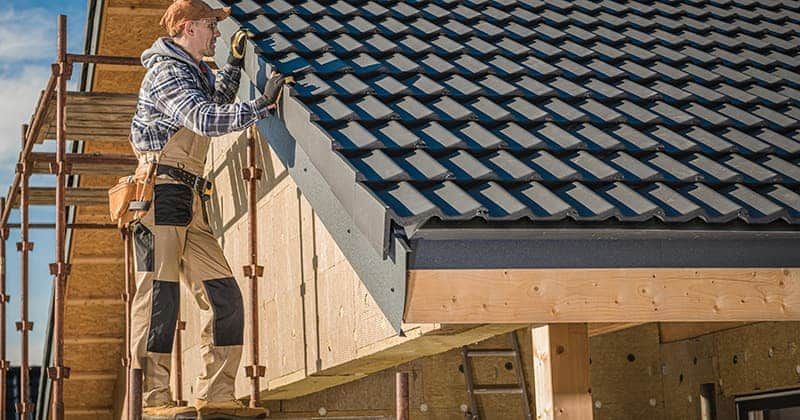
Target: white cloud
column 26, row 34
column 19, row 92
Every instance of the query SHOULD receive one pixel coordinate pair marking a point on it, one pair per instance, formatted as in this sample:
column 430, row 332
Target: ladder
column 474, row 390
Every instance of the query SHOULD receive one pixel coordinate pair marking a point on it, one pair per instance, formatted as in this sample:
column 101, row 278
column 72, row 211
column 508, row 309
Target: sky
column 27, row 48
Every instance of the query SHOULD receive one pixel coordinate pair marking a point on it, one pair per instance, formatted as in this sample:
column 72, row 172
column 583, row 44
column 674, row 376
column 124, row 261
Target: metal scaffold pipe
column 178, row 363
column 3, row 302
column 253, row 271
column 58, row 372
column 127, row 297
column 24, row 326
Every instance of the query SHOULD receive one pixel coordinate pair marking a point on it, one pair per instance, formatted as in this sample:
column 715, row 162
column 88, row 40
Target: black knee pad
column 226, row 301
column 163, row 316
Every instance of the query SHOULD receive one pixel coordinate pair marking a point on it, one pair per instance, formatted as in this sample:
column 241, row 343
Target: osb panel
column 95, row 280
column 101, row 243
column 121, row 81
column 94, row 320
column 629, row 360
column 116, row 147
column 95, row 213
column 126, row 33
column 97, row 271
column 93, row 357
column 153, row 4
column 89, row 415
column 88, row 394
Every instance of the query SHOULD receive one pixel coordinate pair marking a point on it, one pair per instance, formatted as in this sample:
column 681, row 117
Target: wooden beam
column 602, row 295
column 561, row 372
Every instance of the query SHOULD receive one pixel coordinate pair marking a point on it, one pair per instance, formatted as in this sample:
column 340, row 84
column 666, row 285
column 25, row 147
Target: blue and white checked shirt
column 176, row 93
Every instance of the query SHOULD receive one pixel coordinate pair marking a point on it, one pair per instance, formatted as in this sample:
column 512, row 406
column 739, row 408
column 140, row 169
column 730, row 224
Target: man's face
column 206, row 35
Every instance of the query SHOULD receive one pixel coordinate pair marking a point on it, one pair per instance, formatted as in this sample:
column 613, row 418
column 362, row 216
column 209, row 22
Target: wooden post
column 561, row 371
column 401, row 395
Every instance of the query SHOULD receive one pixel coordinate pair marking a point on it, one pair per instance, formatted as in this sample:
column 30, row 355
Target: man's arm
column 227, row 83
column 175, row 93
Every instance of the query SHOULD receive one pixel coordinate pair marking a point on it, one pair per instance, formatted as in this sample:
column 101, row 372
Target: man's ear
column 188, row 28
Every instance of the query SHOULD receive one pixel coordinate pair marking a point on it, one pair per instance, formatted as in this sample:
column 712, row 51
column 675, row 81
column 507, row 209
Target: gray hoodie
column 178, row 92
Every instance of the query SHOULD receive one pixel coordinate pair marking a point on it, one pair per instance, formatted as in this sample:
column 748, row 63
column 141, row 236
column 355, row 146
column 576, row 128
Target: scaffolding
column 89, row 121
column 50, row 122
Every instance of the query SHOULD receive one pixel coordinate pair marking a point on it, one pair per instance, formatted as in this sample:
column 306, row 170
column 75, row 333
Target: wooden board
column 561, row 372
column 602, row 295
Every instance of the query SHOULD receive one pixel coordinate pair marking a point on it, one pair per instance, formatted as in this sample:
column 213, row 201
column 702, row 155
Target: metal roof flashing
column 469, row 246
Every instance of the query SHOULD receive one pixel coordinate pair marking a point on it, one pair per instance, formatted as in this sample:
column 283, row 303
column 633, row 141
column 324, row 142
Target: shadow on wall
column 235, row 161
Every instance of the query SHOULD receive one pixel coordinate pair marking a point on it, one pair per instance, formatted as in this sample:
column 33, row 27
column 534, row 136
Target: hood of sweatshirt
column 166, row 49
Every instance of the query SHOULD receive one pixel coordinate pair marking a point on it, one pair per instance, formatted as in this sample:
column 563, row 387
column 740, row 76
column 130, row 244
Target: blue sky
column 27, row 48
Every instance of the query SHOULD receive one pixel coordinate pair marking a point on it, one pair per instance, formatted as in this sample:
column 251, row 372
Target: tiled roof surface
column 552, row 110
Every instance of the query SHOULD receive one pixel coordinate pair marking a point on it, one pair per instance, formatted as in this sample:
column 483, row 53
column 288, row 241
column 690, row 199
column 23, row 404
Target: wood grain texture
column 561, row 372
column 603, row 295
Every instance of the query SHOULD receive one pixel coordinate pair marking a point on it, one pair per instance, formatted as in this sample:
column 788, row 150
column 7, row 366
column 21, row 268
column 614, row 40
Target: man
column 181, row 105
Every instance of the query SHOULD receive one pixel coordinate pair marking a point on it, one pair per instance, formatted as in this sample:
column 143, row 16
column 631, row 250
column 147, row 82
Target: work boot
column 227, row 410
column 168, row 411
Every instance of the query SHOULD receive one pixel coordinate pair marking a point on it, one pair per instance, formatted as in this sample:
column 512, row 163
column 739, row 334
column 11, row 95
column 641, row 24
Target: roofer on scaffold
column 181, row 105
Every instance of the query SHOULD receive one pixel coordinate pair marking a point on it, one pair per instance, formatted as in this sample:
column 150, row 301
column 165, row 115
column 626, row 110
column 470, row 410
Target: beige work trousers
column 173, row 244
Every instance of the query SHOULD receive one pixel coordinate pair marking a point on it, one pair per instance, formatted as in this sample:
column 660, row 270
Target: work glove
column 272, row 90
column 236, row 55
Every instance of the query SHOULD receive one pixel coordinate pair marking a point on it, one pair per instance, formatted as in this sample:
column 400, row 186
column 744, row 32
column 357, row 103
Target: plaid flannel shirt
column 175, row 94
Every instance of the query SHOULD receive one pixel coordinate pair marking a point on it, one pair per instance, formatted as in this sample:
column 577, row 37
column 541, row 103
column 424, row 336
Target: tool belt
column 130, row 198
column 202, row 186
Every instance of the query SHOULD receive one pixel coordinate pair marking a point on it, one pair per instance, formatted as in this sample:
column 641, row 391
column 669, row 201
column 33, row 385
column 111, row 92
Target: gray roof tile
column 420, row 166
column 630, row 203
column 551, row 110
column 587, row 204
column 543, row 203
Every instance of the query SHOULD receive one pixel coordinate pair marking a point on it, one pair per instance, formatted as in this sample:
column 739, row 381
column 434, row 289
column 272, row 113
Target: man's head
column 193, row 25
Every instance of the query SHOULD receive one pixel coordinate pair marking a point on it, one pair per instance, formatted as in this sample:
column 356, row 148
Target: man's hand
column 236, row 56
column 272, row 90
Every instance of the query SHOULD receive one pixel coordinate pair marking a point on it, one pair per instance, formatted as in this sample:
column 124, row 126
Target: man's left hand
column 236, row 56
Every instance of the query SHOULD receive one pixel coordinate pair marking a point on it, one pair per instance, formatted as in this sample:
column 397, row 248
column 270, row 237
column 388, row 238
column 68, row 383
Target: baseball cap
column 182, row 11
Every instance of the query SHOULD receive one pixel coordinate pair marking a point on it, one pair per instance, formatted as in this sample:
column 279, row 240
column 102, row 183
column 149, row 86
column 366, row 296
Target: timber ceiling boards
column 552, row 110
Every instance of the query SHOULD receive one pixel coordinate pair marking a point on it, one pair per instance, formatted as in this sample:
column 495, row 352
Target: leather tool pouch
column 130, row 198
